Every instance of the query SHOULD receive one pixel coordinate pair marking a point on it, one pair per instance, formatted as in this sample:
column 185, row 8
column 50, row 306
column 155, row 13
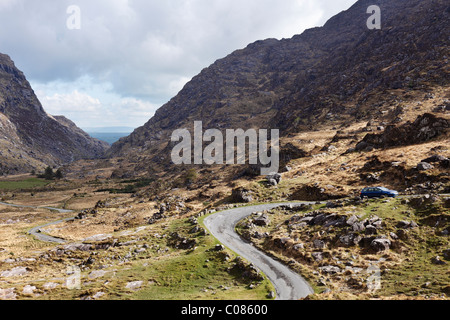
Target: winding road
column 36, row 231
column 288, row 284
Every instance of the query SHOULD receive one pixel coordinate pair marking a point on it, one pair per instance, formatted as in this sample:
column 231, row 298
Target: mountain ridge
column 340, row 72
column 30, row 138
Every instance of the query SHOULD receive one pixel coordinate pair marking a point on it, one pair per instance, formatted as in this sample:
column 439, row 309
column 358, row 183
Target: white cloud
column 88, row 111
column 138, row 49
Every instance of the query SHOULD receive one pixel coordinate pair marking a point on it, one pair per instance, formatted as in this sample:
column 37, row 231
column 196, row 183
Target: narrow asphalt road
column 288, row 284
column 36, row 231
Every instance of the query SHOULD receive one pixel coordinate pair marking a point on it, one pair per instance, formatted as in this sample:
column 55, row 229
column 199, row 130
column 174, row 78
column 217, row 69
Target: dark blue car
column 378, row 192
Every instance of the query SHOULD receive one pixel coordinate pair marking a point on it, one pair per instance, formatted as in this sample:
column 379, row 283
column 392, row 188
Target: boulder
column 437, row 260
column 259, row 235
column 407, row 225
column 77, row 247
column 8, row 294
column 318, row 256
column 424, row 166
column 370, row 230
column 330, row 269
column 333, row 204
column 380, row 244
column 318, row 244
column 435, row 158
column 219, row 247
column 241, row 195
column 15, row 272
column 281, row 242
column 350, row 221
column 362, row 145
column 350, row 240
column 423, row 129
column 28, row 290
column 275, row 177
column 377, row 224
column 97, row 274
column 262, row 221
column 135, row 285
column 358, row 227
column 50, row 285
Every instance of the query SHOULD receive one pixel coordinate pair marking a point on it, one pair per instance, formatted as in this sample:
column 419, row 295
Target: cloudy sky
column 114, row 62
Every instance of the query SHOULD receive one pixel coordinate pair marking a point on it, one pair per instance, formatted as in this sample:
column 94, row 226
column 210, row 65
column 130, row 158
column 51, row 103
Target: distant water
column 109, row 137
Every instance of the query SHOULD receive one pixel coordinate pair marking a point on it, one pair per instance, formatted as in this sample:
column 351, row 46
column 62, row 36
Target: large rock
column 241, row 195
column 28, row 290
column 380, row 244
column 350, row 240
column 437, row 260
column 319, row 244
column 281, row 243
column 96, row 274
column 435, row 158
column 8, row 294
column 407, row 225
column 134, row 285
column 370, row 230
column 424, row 166
column 274, row 178
column 15, row 272
column 330, row 269
column 262, row 221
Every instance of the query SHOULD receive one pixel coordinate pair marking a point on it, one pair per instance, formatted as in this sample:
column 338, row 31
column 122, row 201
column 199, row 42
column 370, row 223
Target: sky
column 105, row 63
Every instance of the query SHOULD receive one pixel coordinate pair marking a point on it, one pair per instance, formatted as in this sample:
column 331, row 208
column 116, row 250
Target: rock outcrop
column 425, row 128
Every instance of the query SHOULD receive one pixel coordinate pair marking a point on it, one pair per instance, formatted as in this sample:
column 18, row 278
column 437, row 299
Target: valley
column 128, row 233
column 176, row 210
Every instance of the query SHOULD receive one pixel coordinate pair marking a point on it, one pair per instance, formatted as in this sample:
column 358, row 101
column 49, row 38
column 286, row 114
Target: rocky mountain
column 31, row 139
column 332, row 75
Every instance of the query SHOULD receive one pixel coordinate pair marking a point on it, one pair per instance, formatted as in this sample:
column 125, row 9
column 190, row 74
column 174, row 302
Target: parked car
column 378, row 192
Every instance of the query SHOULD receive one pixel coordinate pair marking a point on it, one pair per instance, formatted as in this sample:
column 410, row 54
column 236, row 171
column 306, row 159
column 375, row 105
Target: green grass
column 132, row 187
column 200, row 274
column 29, row 183
column 197, row 275
column 408, row 269
column 193, row 275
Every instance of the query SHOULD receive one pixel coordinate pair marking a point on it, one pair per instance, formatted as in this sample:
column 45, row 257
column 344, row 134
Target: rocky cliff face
column 31, row 139
column 339, row 73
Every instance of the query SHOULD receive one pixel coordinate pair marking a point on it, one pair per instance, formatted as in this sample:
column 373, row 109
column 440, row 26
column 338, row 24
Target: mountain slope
column 333, row 75
column 30, row 138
